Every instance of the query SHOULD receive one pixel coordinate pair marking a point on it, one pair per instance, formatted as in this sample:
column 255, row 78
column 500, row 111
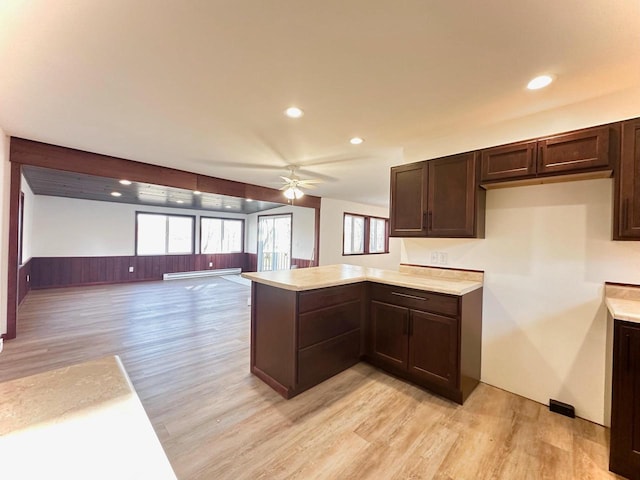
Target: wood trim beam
column 12, row 261
column 29, row 152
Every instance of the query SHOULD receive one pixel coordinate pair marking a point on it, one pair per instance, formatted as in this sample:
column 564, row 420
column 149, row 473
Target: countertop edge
column 618, row 313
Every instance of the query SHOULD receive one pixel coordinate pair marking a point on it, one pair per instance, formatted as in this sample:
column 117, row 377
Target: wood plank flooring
column 185, row 345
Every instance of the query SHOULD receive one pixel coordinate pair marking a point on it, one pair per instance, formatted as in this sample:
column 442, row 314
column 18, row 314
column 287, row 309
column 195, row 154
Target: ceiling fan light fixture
column 356, row 141
column 289, row 193
column 293, row 112
column 298, row 193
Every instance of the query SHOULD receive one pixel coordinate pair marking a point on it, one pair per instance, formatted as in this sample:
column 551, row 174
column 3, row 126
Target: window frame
column 242, row 235
column 166, row 243
column 367, row 234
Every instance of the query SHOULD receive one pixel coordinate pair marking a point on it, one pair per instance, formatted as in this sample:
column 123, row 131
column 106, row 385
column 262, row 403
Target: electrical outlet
column 434, row 258
column 443, row 258
column 1, row 344
column 211, row 264
column 130, row 269
column 28, row 278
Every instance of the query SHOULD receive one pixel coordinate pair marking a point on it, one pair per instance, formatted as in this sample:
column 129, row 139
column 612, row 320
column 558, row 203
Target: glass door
column 274, row 242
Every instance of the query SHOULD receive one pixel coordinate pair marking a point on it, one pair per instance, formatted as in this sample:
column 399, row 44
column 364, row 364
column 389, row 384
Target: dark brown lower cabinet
column 300, row 339
column 433, row 340
column 624, row 458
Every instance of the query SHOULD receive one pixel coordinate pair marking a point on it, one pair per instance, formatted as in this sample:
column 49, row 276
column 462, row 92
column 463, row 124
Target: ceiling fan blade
column 284, row 187
column 287, row 179
column 304, row 185
column 312, row 180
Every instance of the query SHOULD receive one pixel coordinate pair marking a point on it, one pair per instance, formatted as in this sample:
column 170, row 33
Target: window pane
column 377, row 235
column 232, row 241
column 211, row 235
column 152, row 230
column 353, row 234
column 180, row 235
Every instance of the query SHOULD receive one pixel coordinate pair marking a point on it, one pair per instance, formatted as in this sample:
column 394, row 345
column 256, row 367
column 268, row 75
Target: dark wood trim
column 367, row 233
column 616, row 284
column 56, row 272
column 316, row 247
column 200, row 217
column 29, row 152
column 21, row 228
column 12, row 261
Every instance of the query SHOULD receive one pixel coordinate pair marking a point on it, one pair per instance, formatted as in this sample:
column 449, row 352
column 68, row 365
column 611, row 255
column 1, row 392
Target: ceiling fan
column 293, row 184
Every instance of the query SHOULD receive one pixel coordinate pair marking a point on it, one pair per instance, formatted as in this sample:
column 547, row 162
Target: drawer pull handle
column 404, row 295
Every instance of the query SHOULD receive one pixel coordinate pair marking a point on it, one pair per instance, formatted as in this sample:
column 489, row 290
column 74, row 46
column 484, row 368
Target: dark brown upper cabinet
column 437, row 198
column 511, row 162
column 579, row 152
column 454, row 197
column 408, row 200
column 627, row 185
column 588, row 149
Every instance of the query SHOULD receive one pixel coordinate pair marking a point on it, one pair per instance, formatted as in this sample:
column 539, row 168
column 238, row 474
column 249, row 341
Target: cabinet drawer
column 324, row 360
column 326, row 323
column 583, row 150
column 508, row 162
column 416, row 299
column 326, row 297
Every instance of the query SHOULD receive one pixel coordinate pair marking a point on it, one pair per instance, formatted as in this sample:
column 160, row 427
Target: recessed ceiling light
column 125, row 182
column 197, row 192
column 293, row 112
column 356, row 141
column 179, row 201
column 539, row 82
column 116, row 194
column 227, row 206
column 249, row 199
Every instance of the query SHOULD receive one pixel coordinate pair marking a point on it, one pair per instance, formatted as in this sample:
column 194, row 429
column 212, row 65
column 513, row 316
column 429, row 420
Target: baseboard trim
column 202, row 273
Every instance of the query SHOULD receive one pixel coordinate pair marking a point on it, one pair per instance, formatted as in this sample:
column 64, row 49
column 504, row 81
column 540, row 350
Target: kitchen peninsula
column 421, row 324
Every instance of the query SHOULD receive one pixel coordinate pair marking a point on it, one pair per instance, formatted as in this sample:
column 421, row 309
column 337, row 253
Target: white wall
column 303, row 226
column 546, row 256
column 331, row 218
column 70, row 227
column 27, row 227
column 5, row 180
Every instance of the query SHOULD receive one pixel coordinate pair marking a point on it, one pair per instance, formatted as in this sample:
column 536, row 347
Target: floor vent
column 201, row 273
column 562, row 408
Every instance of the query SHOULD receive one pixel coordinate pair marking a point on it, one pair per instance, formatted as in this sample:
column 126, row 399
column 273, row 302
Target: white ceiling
column 201, row 85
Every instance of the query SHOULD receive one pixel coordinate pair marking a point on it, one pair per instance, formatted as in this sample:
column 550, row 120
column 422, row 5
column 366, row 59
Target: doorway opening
column 274, row 242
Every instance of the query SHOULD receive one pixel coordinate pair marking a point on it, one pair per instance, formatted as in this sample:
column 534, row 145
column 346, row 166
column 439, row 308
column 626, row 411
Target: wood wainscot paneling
column 51, row 272
column 24, row 280
column 302, row 263
column 252, row 262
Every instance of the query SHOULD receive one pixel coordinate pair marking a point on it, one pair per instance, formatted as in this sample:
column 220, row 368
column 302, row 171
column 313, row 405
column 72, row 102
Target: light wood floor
column 185, row 345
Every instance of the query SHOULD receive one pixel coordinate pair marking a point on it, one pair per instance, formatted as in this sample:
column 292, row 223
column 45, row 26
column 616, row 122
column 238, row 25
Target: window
column 365, row 235
column 221, row 235
column 158, row 234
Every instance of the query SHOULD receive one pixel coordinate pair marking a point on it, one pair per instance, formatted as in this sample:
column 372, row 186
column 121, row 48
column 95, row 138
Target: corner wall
column 331, row 224
column 546, row 256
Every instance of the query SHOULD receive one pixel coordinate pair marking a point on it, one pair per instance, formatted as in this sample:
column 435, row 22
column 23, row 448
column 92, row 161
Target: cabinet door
column 573, row 152
column 452, row 196
column 627, row 200
column 388, row 342
column 625, row 407
column 408, row 200
column 433, row 348
column 508, row 162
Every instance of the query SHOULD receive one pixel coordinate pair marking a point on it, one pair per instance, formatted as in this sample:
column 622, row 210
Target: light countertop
column 420, row 278
column 78, row 422
column 623, row 302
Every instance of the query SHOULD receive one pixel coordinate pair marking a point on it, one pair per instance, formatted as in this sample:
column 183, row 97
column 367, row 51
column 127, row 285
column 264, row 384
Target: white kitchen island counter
column 79, row 422
column 433, row 280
